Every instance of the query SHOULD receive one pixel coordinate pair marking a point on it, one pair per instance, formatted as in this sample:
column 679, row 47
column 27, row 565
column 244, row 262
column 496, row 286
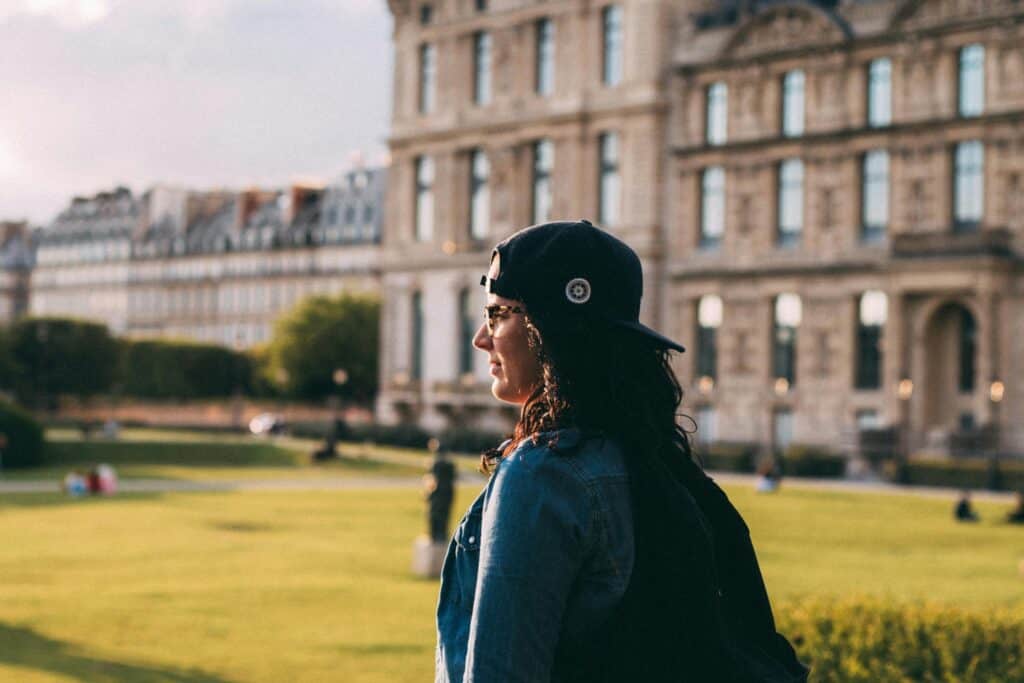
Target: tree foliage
column 321, row 336
column 55, row 356
column 154, row 368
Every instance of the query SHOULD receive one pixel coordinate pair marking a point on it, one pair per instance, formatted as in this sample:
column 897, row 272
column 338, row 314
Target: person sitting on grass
column 964, row 511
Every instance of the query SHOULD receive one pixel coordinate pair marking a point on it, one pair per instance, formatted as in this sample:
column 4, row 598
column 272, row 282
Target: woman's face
column 514, row 365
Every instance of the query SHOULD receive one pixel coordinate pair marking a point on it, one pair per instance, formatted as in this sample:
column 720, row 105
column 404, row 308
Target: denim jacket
column 541, row 558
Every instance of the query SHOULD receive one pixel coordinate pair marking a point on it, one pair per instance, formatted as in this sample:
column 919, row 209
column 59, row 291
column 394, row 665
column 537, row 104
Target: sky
column 194, row 93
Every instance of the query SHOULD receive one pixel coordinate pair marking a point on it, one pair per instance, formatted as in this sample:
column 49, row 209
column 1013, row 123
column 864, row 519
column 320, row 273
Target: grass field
column 196, row 456
column 315, row 586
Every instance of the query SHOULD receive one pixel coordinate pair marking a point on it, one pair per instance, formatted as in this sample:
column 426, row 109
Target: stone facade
column 16, row 259
column 944, row 258
column 212, row 266
column 934, row 272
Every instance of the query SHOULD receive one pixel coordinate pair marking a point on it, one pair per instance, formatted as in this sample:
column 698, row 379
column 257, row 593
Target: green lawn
column 315, row 586
column 198, row 456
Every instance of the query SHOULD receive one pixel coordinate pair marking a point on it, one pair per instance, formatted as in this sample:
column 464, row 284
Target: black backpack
column 696, row 609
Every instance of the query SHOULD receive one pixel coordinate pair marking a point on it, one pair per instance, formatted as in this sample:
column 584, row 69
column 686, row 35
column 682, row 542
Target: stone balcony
column 991, row 242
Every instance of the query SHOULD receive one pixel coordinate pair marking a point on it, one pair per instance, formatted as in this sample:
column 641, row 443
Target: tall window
column 608, row 182
column 717, row 124
column 791, row 202
column 968, row 185
column 428, row 77
column 880, row 92
column 611, row 21
column 709, row 319
column 968, row 349
column 482, row 67
column 782, row 429
column 972, row 80
column 467, row 328
column 873, row 311
column 424, row 199
column 874, row 209
column 712, row 207
column 416, row 361
column 479, row 194
column 793, row 103
column 788, row 314
column 545, row 55
column 543, row 162
column 706, row 425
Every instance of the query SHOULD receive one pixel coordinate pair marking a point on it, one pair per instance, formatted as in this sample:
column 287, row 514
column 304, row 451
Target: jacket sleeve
column 535, row 526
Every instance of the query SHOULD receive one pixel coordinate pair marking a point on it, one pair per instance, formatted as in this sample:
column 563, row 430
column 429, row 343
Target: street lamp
column 904, row 391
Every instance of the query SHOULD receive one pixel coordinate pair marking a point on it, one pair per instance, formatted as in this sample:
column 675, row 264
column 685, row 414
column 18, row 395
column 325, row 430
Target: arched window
column 787, row 316
column 872, row 313
column 709, row 319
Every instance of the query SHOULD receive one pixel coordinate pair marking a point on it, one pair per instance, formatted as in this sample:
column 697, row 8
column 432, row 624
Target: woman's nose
column 482, row 338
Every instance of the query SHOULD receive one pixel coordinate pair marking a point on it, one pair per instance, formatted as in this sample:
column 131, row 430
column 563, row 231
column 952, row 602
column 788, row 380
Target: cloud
column 70, row 14
column 9, row 165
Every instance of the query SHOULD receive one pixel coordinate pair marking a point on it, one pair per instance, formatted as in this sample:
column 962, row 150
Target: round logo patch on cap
column 578, row 291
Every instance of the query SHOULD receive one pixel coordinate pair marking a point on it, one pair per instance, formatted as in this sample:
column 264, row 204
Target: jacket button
column 472, row 539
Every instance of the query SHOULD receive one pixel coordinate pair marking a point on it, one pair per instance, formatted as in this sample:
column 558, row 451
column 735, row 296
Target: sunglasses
column 495, row 312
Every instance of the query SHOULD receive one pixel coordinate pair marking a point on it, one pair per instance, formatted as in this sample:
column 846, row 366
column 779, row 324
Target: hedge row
column 866, row 640
column 183, row 370
column 1007, row 475
column 796, row 461
column 23, row 438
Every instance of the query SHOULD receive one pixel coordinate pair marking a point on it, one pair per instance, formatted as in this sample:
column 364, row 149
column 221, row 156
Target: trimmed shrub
column 967, row 474
column 728, row 457
column 183, row 370
column 867, row 640
column 470, row 440
column 24, row 436
column 812, row 461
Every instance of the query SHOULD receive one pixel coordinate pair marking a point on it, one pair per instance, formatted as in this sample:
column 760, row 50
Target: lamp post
column 904, row 391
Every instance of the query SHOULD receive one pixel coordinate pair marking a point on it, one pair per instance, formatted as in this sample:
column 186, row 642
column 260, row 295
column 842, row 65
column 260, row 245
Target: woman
column 597, row 551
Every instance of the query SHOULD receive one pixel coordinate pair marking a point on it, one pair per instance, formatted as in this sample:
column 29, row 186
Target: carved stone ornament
column 922, row 13
column 784, row 28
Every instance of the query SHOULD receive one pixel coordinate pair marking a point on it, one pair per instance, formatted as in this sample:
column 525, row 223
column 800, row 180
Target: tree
column 58, row 356
column 160, row 368
column 321, row 336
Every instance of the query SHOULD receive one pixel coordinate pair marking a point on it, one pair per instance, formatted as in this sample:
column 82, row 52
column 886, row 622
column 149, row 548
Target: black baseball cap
column 573, row 268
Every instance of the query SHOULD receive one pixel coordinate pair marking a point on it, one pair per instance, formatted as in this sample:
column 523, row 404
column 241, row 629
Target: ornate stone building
column 828, row 197
column 507, row 113
column 214, row 266
column 16, row 260
column 845, row 221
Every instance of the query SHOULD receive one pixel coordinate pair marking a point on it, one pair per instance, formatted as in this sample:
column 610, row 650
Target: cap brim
column 659, row 340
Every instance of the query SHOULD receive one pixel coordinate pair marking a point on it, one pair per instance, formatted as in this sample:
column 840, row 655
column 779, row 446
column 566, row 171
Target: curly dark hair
column 603, row 379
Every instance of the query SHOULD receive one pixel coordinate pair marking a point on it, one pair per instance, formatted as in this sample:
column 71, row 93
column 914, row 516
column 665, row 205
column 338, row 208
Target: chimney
column 300, row 196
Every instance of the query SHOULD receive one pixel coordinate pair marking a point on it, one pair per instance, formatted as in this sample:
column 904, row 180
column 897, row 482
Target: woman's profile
column 598, row 551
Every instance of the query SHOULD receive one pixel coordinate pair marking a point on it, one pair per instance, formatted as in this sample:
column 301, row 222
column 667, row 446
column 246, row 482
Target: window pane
column 968, row 348
column 793, row 104
column 480, row 196
column 612, row 22
column 706, row 425
column 709, row 318
column 791, row 201
column 969, row 184
column 880, row 92
column 424, row 199
column 875, row 195
column 416, row 361
column 543, row 162
column 428, row 72
column 467, row 328
column 482, row 60
column 717, row 114
column 972, row 80
column 608, row 187
column 873, row 311
column 712, row 218
column 788, row 315
column 545, row 74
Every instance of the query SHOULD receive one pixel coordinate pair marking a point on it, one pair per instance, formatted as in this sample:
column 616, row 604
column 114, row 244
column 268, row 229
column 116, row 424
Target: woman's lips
column 495, row 367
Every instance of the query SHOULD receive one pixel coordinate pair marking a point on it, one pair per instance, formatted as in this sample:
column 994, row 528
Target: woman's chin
column 501, row 391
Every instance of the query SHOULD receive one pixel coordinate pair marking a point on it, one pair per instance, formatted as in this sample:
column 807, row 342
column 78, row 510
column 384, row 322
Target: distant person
column 769, row 476
column 964, row 511
column 599, row 551
column 1016, row 515
column 440, row 492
